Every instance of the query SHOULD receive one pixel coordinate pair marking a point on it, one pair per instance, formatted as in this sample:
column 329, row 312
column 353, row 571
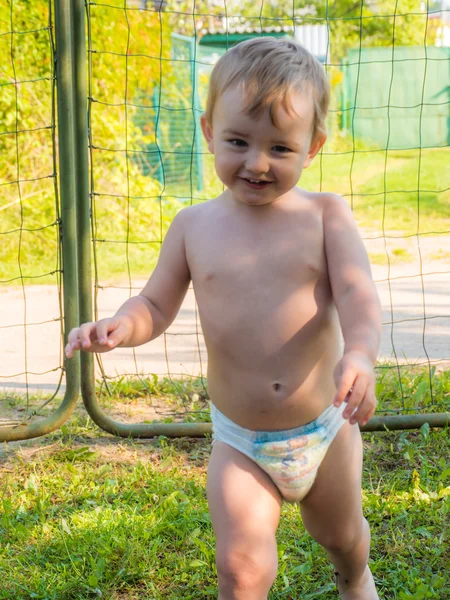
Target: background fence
column 129, row 99
column 33, row 223
column 397, row 98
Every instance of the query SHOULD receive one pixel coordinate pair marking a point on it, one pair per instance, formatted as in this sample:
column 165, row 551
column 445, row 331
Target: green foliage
column 410, row 390
column 123, row 387
column 350, row 23
column 85, row 517
column 127, row 53
column 386, row 189
column 379, row 23
column 174, row 400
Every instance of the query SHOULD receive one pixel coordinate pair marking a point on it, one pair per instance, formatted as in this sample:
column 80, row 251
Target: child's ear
column 207, row 132
column 316, row 144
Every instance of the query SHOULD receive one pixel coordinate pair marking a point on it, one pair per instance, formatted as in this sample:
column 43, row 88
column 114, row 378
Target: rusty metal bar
column 400, row 422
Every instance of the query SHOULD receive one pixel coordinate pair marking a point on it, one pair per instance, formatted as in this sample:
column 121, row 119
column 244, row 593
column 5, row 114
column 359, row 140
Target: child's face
column 257, row 161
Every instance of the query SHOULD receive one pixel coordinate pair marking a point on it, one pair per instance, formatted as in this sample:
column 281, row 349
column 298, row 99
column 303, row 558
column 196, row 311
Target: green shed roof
column 223, row 38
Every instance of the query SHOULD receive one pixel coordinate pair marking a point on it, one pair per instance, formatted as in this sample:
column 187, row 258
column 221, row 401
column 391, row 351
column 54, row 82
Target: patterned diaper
column 291, row 457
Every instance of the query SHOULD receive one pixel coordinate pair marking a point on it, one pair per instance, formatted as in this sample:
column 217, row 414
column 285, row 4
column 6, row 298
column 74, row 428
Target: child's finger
column 86, row 335
column 344, row 387
column 117, row 335
column 72, row 338
column 73, row 342
column 355, row 398
column 70, row 350
column 365, row 410
column 104, row 327
column 109, row 332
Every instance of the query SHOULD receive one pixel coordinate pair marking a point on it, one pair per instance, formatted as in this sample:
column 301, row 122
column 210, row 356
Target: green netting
column 398, row 98
column 386, row 154
column 148, row 68
column 177, row 122
column 31, row 359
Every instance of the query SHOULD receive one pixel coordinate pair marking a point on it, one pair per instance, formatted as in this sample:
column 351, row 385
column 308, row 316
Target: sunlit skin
column 277, row 271
column 246, row 148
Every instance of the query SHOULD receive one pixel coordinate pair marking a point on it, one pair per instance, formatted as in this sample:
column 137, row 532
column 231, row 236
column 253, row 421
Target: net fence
column 148, row 68
column 31, row 363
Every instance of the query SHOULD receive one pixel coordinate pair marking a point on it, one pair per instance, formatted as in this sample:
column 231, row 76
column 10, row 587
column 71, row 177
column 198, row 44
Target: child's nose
column 257, row 162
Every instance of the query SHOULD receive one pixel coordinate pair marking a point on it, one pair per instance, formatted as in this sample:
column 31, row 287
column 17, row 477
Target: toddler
column 278, row 272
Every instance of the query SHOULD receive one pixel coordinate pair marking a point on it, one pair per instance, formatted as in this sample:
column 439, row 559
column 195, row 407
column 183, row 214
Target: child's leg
column 245, row 510
column 332, row 514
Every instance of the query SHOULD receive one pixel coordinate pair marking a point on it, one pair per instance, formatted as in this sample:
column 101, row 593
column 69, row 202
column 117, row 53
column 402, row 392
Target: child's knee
column 343, row 538
column 246, row 571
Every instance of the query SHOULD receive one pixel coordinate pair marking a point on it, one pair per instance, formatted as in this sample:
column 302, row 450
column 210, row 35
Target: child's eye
column 237, row 142
column 281, row 149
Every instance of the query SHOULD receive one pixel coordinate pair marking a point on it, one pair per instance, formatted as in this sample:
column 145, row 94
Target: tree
column 350, row 22
column 128, row 51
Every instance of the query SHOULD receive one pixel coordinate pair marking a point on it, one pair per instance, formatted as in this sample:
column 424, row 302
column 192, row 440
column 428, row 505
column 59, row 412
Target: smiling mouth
column 256, row 183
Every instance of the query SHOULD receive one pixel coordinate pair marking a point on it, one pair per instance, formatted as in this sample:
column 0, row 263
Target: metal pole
column 385, row 423
column 82, row 185
column 401, row 422
column 81, row 159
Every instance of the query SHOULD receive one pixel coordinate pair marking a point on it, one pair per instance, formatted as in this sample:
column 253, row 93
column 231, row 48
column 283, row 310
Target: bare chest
column 242, row 256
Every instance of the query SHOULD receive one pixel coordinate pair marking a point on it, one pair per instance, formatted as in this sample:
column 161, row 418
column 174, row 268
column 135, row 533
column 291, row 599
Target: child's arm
column 359, row 310
column 146, row 316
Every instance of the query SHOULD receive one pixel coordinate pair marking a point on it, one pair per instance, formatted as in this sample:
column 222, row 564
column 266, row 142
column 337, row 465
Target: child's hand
column 355, row 383
column 101, row 336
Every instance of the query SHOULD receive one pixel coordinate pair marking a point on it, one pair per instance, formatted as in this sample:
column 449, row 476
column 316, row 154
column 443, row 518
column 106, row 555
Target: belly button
column 277, row 387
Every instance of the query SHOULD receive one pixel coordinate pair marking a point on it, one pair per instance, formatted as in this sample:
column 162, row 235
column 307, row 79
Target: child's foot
column 364, row 589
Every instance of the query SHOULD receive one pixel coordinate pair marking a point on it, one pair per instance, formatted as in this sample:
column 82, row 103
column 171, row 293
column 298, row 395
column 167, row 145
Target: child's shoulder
column 196, row 211
column 331, row 205
column 325, row 200
column 188, row 213
column 192, row 219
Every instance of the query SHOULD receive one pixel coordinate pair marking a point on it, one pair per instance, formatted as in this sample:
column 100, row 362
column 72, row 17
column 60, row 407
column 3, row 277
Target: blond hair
column 270, row 69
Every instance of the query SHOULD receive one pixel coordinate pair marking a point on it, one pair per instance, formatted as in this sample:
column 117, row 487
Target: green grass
column 383, row 191
column 85, row 515
column 407, row 389
column 89, row 516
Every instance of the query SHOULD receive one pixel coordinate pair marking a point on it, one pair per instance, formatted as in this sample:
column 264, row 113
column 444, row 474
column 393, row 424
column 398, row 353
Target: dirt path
column 406, row 297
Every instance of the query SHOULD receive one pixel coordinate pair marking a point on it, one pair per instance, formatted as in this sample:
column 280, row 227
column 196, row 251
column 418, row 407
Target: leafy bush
column 127, row 51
